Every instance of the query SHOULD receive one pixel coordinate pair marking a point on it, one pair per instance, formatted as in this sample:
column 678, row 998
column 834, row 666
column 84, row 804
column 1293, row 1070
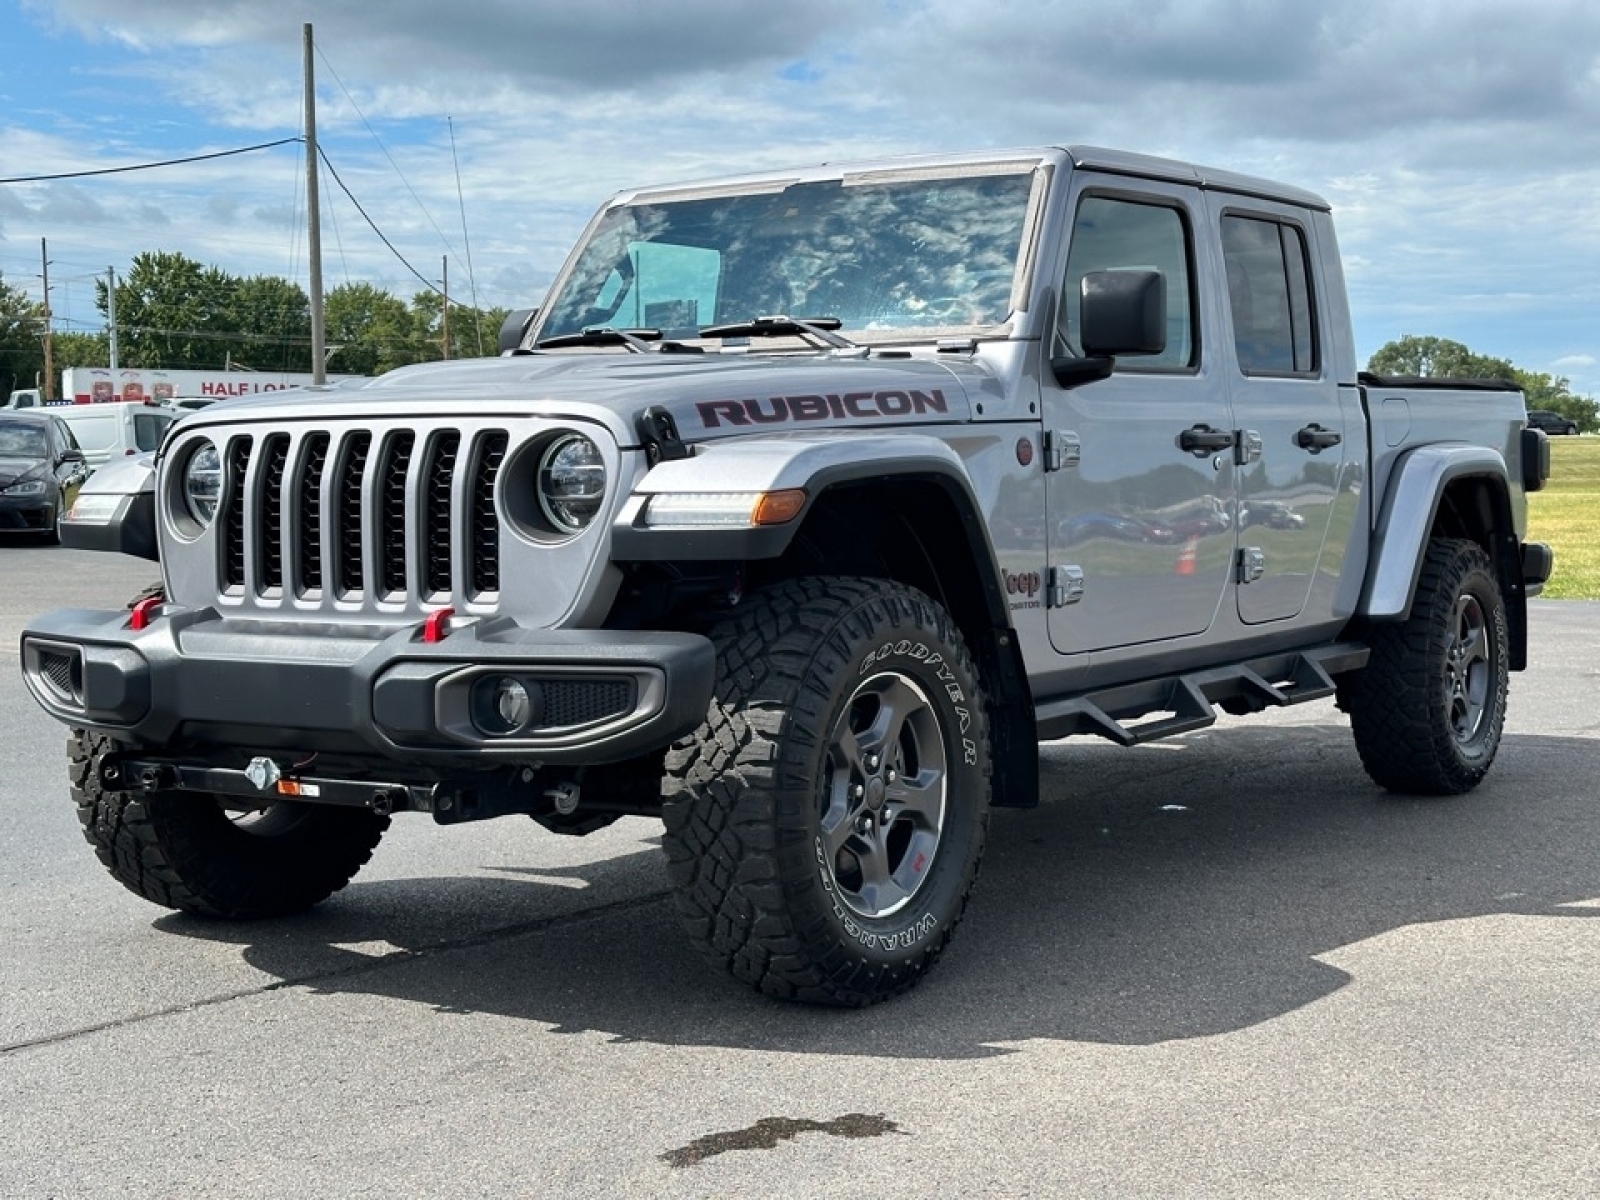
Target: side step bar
column 1273, row 681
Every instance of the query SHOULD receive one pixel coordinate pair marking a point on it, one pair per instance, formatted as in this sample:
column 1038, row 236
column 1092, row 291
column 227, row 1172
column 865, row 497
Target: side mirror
column 1122, row 312
column 71, row 455
column 515, row 328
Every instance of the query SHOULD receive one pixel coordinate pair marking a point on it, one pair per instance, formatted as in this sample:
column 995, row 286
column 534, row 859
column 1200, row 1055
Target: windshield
column 22, row 441
column 891, row 254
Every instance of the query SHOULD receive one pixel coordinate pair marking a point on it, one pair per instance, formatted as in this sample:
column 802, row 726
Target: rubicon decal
column 841, row 406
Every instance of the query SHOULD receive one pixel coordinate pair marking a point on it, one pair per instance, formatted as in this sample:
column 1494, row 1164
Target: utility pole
column 444, row 319
column 49, row 348
column 111, row 313
column 319, row 368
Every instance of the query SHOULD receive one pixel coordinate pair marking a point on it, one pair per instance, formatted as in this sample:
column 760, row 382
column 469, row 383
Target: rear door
column 1141, row 537
column 1292, row 430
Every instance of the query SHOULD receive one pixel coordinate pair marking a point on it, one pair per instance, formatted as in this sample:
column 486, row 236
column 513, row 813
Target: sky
column 1458, row 141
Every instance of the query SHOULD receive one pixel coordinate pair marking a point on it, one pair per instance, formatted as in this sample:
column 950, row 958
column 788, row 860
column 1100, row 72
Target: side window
column 1269, row 293
column 65, row 432
column 1111, row 234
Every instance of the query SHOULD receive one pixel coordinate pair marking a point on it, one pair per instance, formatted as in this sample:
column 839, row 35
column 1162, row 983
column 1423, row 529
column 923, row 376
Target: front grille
column 348, row 515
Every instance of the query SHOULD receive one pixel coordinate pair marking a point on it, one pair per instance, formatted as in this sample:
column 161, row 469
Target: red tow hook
column 144, row 612
column 436, row 626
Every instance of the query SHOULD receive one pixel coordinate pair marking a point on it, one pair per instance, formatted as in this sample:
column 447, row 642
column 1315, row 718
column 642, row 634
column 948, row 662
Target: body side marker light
column 774, row 508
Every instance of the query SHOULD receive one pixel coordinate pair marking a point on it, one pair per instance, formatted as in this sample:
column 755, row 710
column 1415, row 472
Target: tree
column 373, row 331
column 81, row 350
column 270, row 320
column 21, row 328
column 174, row 312
column 1437, row 357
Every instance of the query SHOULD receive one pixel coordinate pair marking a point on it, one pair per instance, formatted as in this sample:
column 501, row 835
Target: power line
column 472, row 282
column 170, row 162
column 426, row 282
column 385, row 149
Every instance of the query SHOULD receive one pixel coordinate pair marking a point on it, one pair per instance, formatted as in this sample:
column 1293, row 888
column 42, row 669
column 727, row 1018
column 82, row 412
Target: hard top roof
column 1093, row 158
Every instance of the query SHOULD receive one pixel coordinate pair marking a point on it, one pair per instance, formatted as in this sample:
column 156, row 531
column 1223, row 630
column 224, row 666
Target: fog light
column 504, row 706
column 512, row 702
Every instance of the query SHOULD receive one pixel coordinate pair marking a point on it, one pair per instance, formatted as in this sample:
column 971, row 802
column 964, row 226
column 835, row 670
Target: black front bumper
column 194, row 679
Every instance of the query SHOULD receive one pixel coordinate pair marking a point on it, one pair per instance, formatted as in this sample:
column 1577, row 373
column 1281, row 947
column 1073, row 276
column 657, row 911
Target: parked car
column 1551, row 422
column 41, row 469
column 118, row 428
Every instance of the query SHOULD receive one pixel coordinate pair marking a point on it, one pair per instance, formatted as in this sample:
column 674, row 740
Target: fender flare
column 751, row 466
column 115, row 510
column 1406, row 518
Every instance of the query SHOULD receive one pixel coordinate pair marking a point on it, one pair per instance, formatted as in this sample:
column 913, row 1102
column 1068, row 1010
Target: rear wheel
column 824, row 826
column 186, row 851
column 1429, row 708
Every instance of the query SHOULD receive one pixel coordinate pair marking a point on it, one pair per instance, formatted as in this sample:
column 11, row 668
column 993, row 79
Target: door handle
column 1201, row 440
column 1317, row 439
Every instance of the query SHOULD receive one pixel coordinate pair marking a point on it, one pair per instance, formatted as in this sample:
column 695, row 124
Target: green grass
column 1567, row 516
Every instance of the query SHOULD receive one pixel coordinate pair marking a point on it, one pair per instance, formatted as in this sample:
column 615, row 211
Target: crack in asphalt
column 398, row 958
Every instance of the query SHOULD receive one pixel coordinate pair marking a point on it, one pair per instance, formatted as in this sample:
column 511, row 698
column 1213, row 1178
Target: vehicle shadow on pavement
column 1174, row 891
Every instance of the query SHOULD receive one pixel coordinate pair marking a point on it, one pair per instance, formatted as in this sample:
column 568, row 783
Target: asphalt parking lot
column 1223, row 965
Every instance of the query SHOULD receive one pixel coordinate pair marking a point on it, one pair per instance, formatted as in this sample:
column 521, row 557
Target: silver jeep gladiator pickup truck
column 807, row 504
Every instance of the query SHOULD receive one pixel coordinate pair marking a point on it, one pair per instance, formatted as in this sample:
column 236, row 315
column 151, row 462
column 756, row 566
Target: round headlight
column 202, row 483
column 572, row 483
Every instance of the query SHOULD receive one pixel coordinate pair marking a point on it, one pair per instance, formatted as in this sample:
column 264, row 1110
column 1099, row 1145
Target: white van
column 112, row 430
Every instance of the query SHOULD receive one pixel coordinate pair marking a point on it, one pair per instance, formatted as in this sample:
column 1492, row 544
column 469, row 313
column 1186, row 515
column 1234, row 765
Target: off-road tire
column 1428, row 710
column 796, row 814
column 185, row 851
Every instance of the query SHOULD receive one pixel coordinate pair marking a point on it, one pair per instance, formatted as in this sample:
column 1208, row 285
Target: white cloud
column 1459, row 140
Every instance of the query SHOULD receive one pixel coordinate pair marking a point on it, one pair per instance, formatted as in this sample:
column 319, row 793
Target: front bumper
column 192, row 680
column 28, row 512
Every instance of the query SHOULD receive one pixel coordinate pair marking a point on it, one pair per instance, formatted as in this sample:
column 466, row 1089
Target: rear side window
column 1269, row 293
column 1113, row 234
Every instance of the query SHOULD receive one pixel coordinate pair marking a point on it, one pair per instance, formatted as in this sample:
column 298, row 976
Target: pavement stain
column 766, row 1133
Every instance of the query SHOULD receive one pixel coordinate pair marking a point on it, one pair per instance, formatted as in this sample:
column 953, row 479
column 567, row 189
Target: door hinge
column 1061, row 449
column 1252, row 563
column 1065, row 587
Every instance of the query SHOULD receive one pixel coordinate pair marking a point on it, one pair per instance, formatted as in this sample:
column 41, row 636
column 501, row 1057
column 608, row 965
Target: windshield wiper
column 818, row 330
column 636, row 340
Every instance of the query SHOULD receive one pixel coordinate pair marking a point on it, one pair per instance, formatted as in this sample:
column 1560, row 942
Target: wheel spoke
column 879, row 891
column 898, row 702
column 919, row 797
column 847, row 751
column 836, row 827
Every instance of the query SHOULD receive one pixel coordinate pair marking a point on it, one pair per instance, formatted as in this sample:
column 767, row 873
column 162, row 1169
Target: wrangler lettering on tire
column 825, row 824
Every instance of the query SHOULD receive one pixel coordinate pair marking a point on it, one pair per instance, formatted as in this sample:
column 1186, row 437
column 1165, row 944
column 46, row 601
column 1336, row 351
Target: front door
column 1141, row 533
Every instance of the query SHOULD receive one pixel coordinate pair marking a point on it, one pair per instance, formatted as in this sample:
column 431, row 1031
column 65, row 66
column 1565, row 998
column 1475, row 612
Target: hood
column 709, row 395
column 15, row 470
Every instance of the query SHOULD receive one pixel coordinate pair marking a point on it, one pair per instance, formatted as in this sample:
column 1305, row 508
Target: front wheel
column 825, row 824
column 188, row 852
column 1429, row 708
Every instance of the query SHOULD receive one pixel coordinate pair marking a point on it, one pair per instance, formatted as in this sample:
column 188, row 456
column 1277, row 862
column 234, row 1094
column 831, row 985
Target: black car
column 41, row 469
column 1550, row 422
